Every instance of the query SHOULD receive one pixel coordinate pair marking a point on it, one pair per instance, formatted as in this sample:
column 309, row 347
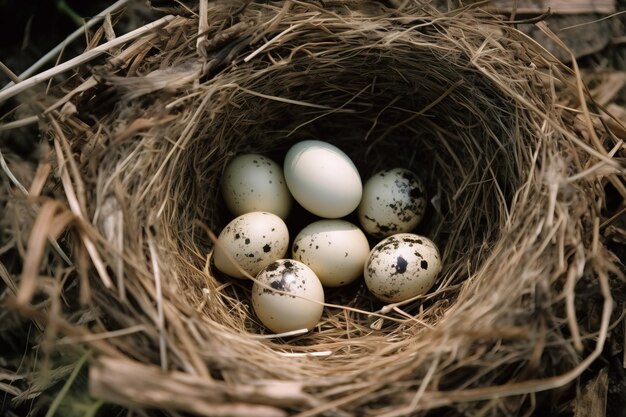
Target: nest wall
column 461, row 98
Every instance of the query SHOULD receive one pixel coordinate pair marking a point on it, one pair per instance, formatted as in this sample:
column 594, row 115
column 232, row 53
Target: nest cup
column 460, row 98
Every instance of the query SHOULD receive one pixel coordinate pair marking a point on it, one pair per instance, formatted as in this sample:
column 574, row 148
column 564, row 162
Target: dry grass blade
column 592, row 401
column 52, row 219
column 134, row 384
column 617, row 182
column 71, row 37
column 81, row 59
column 203, row 27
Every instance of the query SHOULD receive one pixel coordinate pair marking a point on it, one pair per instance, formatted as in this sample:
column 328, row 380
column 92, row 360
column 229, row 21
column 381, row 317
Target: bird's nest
column 515, row 174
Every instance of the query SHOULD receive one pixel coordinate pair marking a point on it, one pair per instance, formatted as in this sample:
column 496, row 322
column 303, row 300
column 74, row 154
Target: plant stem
column 66, row 387
column 64, row 8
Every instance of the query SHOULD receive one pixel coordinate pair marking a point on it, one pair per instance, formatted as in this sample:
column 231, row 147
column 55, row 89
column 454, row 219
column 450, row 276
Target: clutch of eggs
column 288, row 294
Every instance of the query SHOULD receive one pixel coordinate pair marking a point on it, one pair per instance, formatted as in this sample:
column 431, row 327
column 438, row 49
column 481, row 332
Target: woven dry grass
column 523, row 306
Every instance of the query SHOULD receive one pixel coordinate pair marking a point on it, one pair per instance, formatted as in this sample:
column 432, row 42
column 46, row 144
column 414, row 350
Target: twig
column 531, row 20
column 16, row 124
column 203, row 27
column 591, row 22
column 8, row 72
column 81, row 59
column 73, row 36
column 271, row 42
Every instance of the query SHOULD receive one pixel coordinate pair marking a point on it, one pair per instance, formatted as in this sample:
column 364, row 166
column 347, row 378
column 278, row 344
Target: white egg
column 393, row 202
column 402, row 266
column 253, row 182
column 322, row 179
column 335, row 250
column 253, row 240
column 281, row 312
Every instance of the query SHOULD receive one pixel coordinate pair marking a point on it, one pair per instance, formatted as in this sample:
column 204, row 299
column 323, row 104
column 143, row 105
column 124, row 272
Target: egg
column 322, row 179
column 335, row 250
column 253, row 182
column 287, row 312
column 253, row 241
column 394, row 201
column 402, row 266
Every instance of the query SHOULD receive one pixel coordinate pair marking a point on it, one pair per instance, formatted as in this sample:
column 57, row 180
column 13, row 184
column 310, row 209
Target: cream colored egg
column 253, row 241
column 253, row 182
column 402, row 266
column 335, row 250
column 394, row 201
column 322, row 179
column 287, row 312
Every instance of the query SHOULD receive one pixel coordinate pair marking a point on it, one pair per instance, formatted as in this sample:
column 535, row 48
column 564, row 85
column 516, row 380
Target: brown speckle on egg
column 393, row 201
column 399, row 268
column 291, row 308
column 241, row 239
column 400, row 265
column 272, row 267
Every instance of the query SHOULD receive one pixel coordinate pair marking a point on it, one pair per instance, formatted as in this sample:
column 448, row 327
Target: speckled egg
column 322, row 178
column 402, row 266
column 287, row 312
column 254, row 182
column 335, row 250
column 393, row 202
column 253, row 240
